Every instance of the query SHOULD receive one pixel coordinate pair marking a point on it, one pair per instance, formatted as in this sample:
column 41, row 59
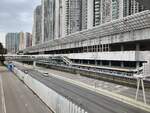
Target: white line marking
column 3, row 97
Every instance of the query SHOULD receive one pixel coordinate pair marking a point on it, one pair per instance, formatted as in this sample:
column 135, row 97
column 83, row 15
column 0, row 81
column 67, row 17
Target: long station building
column 118, row 38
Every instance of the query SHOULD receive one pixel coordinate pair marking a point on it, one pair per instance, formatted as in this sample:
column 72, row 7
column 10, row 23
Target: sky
column 16, row 16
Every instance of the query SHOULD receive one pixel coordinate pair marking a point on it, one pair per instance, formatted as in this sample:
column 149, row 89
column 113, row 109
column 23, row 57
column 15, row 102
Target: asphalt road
column 86, row 99
column 17, row 97
column 112, row 87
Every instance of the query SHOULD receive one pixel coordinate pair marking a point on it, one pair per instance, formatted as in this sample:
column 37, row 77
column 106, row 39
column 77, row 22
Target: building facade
column 25, row 40
column 131, row 7
column 76, row 15
column 118, row 47
column 58, row 18
column 21, row 41
column 121, row 45
column 12, row 42
column 37, row 26
column 48, row 20
column 108, row 10
column 28, row 39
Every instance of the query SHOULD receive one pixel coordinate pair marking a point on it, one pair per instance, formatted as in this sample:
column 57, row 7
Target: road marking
column 3, row 97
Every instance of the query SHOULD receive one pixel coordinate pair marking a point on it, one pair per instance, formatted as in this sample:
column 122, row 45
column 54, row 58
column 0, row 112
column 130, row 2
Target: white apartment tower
column 108, row 10
column 60, row 18
column 76, row 15
column 37, row 26
column 48, row 20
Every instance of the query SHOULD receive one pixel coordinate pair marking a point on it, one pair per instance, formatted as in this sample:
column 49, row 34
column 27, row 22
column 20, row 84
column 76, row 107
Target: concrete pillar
column 122, row 64
column 81, row 61
column 137, row 65
column 101, row 63
column 96, row 62
column 109, row 63
column 122, row 47
column 90, row 6
column 137, row 47
column 108, row 47
column 87, row 49
column 88, row 62
column 102, row 48
column 34, row 64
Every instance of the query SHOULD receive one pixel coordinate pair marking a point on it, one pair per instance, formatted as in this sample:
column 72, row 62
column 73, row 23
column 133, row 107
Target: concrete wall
column 55, row 101
column 116, row 56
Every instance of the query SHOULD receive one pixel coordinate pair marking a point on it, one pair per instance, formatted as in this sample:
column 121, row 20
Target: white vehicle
column 45, row 74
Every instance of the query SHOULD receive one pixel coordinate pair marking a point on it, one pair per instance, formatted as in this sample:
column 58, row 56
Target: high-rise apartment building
column 57, row 18
column 37, row 26
column 84, row 13
column 21, row 41
column 28, row 39
column 131, row 7
column 12, row 42
column 115, row 9
column 76, row 15
column 48, row 20
column 107, row 10
column 25, row 40
column 73, row 14
column 59, row 14
column 102, row 11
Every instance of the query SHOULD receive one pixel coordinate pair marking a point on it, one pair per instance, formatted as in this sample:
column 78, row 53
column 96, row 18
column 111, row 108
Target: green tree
column 2, row 52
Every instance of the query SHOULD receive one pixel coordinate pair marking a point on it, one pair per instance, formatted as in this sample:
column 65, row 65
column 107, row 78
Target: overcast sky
column 16, row 16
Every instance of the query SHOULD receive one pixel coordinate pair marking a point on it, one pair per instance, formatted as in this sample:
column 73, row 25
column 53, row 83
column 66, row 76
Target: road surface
column 112, row 87
column 86, row 99
column 15, row 97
